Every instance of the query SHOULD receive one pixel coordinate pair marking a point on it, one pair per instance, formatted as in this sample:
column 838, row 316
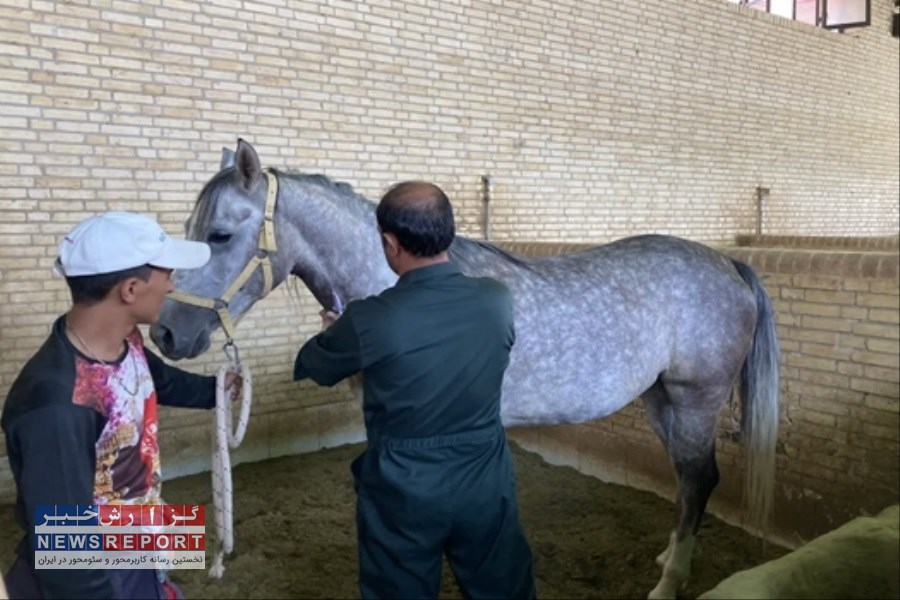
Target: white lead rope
column 223, row 440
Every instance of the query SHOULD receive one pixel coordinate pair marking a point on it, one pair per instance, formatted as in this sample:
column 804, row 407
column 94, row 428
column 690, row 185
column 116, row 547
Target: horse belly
column 558, row 376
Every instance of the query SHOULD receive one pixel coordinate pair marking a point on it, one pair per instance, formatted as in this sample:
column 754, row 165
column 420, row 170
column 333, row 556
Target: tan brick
column 879, row 301
column 883, row 403
column 830, row 297
column 816, row 283
column 825, row 323
column 886, row 374
column 878, row 330
column 815, row 406
column 884, row 316
column 876, row 358
column 856, row 285
column 885, row 287
column 881, row 388
column 808, row 362
column 885, row 432
column 820, row 310
column 827, row 351
column 850, row 341
column 853, row 312
column 813, row 390
column 813, row 470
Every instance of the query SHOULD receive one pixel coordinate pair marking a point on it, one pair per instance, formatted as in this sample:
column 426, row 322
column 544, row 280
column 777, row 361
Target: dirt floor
column 295, row 533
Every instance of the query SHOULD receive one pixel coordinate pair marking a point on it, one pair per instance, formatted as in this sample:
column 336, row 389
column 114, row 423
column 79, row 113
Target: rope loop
column 225, row 439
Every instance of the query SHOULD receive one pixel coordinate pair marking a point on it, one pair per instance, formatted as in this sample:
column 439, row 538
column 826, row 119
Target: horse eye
column 218, row 237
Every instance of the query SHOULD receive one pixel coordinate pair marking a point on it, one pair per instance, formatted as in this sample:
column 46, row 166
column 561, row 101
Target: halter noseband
column 267, row 246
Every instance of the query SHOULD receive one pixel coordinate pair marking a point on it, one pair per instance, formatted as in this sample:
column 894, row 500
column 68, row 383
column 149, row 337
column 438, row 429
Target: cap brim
column 58, row 268
column 183, row 254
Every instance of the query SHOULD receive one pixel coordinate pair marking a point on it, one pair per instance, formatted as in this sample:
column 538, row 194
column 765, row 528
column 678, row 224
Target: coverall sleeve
column 176, row 387
column 512, row 323
column 56, row 445
column 331, row 355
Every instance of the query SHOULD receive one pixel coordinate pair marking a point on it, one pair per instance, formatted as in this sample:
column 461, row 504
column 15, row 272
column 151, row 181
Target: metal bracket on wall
column 762, row 193
column 488, row 191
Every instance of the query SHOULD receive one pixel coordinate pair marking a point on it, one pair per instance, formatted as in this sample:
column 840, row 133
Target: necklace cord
column 115, row 369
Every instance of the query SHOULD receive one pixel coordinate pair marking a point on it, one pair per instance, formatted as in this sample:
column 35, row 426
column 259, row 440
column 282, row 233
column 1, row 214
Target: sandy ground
column 295, row 533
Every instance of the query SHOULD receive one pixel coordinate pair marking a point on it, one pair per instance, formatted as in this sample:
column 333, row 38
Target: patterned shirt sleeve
column 176, row 387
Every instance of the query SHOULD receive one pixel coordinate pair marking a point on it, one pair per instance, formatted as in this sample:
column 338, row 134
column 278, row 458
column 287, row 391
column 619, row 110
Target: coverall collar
column 429, row 272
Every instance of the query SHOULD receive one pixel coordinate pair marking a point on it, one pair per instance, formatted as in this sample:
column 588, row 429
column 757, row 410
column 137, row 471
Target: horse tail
column 759, row 390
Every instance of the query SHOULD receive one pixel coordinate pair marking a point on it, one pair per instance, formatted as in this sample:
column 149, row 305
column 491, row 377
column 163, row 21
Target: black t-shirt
column 83, row 432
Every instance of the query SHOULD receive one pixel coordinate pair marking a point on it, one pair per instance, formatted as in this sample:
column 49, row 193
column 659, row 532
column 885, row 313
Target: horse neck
column 333, row 239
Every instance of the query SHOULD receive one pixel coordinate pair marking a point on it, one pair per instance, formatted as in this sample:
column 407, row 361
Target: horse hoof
column 663, row 589
column 662, row 558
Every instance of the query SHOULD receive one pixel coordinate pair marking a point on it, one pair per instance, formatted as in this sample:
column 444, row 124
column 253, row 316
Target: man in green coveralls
column 437, row 475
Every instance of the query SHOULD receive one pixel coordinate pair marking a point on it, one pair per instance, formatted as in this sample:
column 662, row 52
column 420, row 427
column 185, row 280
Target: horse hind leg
column 696, row 480
column 659, row 409
column 688, row 432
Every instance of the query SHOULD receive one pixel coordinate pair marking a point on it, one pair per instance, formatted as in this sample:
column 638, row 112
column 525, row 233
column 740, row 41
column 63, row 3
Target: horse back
column 596, row 328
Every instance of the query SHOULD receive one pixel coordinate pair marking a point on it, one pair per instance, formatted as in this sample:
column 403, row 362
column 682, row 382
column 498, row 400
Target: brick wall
column 837, row 315
column 597, row 120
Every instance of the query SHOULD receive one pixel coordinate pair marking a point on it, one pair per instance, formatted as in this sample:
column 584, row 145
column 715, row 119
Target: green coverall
column 437, row 475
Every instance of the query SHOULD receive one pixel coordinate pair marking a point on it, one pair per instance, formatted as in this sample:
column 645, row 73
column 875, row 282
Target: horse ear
column 247, row 164
column 227, row 158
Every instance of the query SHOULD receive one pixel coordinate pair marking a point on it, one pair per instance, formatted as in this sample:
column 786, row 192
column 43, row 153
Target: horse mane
column 326, row 181
column 208, row 197
column 464, row 250
column 467, row 251
column 349, row 199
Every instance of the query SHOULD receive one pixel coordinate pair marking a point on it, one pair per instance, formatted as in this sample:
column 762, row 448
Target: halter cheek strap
column 267, row 246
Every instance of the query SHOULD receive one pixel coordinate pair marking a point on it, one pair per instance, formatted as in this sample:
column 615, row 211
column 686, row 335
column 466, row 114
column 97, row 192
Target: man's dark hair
column 420, row 215
column 91, row 289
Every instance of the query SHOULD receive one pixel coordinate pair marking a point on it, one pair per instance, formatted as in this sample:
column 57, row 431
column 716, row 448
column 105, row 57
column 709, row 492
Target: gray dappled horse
column 654, row 316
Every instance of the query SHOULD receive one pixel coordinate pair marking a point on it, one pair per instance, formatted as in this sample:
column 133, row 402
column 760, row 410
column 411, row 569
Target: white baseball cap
column 115, row 241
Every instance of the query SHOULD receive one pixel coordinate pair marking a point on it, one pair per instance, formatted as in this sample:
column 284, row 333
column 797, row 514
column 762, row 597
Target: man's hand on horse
column 233, row 384
column 328, row 318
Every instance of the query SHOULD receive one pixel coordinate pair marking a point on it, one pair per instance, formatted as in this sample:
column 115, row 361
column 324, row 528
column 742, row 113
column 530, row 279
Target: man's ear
column 127, row 290
column 391, row 244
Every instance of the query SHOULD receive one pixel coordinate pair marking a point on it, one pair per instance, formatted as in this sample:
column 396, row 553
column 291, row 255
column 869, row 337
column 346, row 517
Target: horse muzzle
column 176, row 347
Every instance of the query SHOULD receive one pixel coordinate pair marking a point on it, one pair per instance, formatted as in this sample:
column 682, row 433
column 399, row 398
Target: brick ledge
column 776, row 261
column 822, row 242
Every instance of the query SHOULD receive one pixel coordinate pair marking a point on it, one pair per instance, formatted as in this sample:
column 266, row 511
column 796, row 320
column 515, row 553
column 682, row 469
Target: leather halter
column 267, row 246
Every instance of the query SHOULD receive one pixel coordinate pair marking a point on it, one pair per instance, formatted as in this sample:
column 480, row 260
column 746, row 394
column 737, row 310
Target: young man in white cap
column 81, row 418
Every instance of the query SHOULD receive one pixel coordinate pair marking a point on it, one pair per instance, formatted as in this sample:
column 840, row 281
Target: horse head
column 228, row 215
column 263, row 227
